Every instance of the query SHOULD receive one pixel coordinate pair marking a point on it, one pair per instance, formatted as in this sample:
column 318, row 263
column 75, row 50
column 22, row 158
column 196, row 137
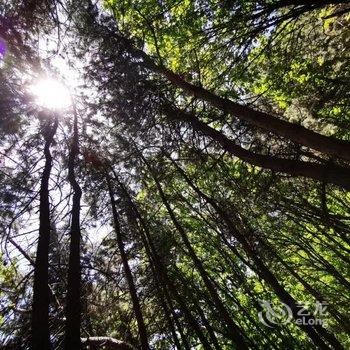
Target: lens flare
column 3, row 50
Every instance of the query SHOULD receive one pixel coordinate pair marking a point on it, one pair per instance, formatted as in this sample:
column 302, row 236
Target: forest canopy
column 175, row 174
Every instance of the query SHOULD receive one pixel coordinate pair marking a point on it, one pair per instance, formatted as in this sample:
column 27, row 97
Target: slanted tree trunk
column 267, row 122
column 317, row 333
column 343, row 321
column 132, row 288
column 73, row 301
column 234, row 331
column 322, row 172
column 163, row 294
column 166, row 284
column 40, row 335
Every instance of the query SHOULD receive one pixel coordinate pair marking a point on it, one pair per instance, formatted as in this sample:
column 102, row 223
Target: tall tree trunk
column 236, row 333
column 266, row 122
column 317, row 333
column 40, row 335
column 166, row 283
column 326, row 173
column 269, row 123
column 73, row 302
column 163, row 294
column 132, row 288
column 343, row 321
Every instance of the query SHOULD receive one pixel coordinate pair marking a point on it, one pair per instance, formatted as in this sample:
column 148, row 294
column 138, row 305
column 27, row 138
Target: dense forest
column 175, row 174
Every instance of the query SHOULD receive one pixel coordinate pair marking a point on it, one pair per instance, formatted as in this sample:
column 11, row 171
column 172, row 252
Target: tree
column 41, row 291
column 196, row 190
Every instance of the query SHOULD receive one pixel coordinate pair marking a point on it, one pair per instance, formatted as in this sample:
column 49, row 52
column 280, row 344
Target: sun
column 51, row 94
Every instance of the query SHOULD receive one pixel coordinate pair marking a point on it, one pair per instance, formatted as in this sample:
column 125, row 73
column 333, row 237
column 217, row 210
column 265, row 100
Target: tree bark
column 162, row 289
column 317, row 333
column 326, row 173
column 73, row 299
column 161, row 276
column 267, row 122
column 40, row 334
column 132, row 288
column 235, row 332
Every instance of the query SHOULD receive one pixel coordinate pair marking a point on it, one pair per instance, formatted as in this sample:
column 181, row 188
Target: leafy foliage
column 179, row 238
